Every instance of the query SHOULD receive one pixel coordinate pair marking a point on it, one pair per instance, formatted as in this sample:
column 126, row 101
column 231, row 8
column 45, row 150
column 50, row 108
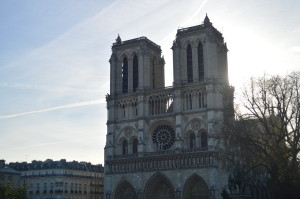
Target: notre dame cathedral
column 159, row 142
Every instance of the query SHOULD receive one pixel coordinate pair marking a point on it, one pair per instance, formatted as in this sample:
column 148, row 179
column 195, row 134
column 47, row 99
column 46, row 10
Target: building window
column 125, row 75
column 135, row 146
column 203, row 140
column 192, row 141
column 51, row 187
column 125, row 147
column 38, row 188
column 72, row 188
column 135, row 73
column 84, row 188
column 66, row 187
column 124, row 112
column 189, row 59
column 45, row 188
column 200, row 62
column 75, row 187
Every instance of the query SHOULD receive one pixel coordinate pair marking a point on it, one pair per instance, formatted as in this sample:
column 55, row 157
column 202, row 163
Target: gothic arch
column 129, row 134
column 133, row 53
column 121, row 56
column 203, row 136
column 121, row 140
column 125, row 191
column 195, row 124
column 195, row 187
column 159, row 187
column 190, row 139
column 186, row 43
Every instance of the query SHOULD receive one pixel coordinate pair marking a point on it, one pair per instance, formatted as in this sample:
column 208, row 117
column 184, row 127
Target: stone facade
column 61, row 179
column 159, row 139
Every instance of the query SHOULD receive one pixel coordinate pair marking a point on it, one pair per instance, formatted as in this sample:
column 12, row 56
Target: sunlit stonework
column 159, row 142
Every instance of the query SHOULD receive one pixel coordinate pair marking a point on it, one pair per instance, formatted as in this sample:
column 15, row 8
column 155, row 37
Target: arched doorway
column 125, row 191
column 196, row 188
column 159, row 187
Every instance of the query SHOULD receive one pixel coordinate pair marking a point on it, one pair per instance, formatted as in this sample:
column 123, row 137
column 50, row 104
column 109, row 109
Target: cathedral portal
column 159, row 187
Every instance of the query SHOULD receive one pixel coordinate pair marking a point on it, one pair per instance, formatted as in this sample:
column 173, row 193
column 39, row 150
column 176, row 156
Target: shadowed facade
column 159, row 141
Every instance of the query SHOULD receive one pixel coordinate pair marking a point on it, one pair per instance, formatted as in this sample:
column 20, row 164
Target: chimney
column 2, row 163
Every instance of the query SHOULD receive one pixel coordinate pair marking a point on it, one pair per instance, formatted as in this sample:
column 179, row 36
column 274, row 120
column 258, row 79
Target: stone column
column 176, row 64
column 146, row 83
column 140, row 195
column 113, row 62
column 178, row 193
column 118, row 74
column 183, row 65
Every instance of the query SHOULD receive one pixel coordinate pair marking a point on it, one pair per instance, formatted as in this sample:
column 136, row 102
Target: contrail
column 78, row 104
column 186, row 22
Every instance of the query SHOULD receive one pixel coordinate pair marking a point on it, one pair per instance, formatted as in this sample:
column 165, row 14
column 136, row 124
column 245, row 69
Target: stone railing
column 162, row 162
column 137, row 40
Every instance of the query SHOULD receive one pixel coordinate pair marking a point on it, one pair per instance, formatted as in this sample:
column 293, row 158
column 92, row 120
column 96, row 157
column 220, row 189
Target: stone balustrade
column 163, row 161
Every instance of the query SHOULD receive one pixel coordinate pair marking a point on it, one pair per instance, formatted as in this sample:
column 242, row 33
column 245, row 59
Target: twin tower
column 160, row 142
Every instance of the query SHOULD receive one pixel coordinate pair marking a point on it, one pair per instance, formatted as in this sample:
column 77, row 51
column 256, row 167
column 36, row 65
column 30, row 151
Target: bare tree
column 266, row 136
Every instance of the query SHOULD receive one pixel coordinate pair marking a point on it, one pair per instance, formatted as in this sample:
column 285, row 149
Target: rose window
column 163, row 137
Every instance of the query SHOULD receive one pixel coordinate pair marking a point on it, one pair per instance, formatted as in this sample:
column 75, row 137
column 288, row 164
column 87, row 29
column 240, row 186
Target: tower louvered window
column 203, row 139
column 189, row 59
column 200, row 62
column 125, row 75
column 135, row 146
column 135, row 73
column 192, row 141
column 125, row 147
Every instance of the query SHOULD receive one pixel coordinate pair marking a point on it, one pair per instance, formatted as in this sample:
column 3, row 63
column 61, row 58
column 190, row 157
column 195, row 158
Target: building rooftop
column 119, row 42
column 206, row 24
column 61, row 164
column 8, row 170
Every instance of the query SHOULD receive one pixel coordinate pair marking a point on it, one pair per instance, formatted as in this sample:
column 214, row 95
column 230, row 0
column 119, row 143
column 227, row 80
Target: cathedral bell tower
column 135, row 65
column 199, row 55
column 159, row 142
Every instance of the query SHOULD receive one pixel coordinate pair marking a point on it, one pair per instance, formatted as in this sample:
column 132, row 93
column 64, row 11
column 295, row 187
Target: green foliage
column 8, row 192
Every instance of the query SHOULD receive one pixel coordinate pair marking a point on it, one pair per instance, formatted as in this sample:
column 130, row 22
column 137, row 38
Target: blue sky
column 54, row 69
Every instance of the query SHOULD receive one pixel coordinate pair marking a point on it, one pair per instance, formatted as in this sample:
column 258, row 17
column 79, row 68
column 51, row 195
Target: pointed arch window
column 125, row 147
column 203, row 140
column 125, row 75
column 189, row 59
column 153, row 73
column 200, row 62
column 135, row 73
column 135, row 146
column 192, row 141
